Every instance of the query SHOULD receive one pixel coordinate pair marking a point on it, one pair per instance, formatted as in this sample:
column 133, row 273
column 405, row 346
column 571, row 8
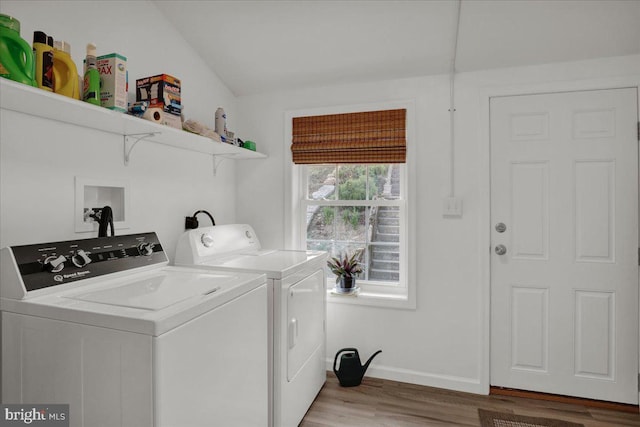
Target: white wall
column 40, row 158
column 444, row 341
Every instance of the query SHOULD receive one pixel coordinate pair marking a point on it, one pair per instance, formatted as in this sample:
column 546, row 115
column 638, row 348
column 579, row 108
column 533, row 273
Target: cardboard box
column 113, row 81
column 161, row 91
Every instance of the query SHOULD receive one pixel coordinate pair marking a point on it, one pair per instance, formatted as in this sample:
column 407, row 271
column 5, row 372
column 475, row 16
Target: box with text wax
column 162, row 91
column 113, row 81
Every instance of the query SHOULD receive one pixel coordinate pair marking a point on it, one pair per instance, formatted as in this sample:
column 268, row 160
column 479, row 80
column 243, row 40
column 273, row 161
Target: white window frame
column 401, row 295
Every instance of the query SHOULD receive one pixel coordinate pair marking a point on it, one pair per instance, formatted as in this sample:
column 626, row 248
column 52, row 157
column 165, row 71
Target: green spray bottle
column 91, row 87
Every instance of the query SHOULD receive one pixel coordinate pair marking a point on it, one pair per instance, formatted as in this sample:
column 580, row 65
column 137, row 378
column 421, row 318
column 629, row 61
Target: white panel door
column 564, row 294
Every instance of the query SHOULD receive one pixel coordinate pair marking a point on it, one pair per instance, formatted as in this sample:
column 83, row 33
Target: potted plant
column 346, row 268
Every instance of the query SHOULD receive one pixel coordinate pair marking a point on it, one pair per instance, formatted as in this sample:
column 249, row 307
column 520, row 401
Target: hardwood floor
column 377, row 403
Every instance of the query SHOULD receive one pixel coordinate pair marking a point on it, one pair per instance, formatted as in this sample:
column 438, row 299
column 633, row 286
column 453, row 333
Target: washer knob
column 207, row 240
column 248, row 234
column 80, row 259
column 54, row 264
column 145, row 248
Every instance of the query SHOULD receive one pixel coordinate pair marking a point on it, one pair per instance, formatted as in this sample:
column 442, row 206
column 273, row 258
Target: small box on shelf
column 161, row 91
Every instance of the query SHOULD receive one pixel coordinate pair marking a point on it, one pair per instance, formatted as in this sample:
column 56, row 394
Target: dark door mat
column 503, row 419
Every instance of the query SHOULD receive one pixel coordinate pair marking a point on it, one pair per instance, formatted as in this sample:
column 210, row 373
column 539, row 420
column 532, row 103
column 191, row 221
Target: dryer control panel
column 204, row 243
column 57, row 263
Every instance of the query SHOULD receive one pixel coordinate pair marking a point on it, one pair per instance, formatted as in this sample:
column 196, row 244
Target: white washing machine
column 297, row 293
column 105, row 326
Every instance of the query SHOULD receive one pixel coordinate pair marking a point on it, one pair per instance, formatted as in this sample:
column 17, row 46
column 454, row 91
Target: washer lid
column 147, row 302
column 156, row 291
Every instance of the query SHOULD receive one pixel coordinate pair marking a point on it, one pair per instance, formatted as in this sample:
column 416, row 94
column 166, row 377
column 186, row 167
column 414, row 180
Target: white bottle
column 221, row 123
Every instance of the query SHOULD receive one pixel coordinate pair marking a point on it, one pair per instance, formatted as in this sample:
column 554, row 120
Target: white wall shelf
column 36, row 102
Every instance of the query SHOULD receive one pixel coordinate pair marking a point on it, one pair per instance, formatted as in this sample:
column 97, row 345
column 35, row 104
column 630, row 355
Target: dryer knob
column 80, row 259
column 207, row 240
column 54, row 264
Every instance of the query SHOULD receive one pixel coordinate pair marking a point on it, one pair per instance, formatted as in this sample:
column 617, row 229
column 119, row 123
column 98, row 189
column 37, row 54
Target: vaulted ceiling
column 261, row 46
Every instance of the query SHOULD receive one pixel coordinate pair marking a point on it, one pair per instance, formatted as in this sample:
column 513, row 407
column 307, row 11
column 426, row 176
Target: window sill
column 373, row 299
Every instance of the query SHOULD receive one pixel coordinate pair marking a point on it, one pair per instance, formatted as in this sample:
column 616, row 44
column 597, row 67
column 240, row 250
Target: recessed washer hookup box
column 161, row 91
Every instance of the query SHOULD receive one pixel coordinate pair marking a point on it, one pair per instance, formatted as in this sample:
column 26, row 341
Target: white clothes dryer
column 106, row 326
column 297, row 295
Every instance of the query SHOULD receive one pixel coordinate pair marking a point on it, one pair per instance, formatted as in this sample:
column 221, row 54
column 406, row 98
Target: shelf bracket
column 216, row 162
column 131, row 140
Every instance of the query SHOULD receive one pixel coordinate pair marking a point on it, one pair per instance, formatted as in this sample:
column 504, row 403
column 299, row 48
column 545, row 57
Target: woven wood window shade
column 367, row 137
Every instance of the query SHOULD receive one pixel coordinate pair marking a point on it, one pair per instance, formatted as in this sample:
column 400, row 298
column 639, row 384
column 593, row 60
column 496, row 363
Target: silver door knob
column 501, row 249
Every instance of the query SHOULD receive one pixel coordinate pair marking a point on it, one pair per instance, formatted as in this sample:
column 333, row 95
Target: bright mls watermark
column 34, row 415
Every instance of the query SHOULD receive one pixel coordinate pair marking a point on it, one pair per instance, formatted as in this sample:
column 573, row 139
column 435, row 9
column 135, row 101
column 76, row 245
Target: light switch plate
column 452, row 207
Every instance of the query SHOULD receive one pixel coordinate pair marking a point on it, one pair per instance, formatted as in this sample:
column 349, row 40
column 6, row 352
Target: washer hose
column 106, row 219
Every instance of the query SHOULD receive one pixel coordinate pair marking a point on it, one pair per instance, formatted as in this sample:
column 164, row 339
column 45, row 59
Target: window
column 350, row 191
column 358, row 207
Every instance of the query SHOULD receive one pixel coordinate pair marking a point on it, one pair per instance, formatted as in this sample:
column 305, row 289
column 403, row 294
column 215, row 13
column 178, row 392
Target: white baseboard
column 449, row 382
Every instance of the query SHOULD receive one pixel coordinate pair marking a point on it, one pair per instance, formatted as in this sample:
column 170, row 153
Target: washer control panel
column 57, row 263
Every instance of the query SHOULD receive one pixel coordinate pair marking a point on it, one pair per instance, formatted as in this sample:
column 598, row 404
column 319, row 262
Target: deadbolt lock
column 501, row 227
